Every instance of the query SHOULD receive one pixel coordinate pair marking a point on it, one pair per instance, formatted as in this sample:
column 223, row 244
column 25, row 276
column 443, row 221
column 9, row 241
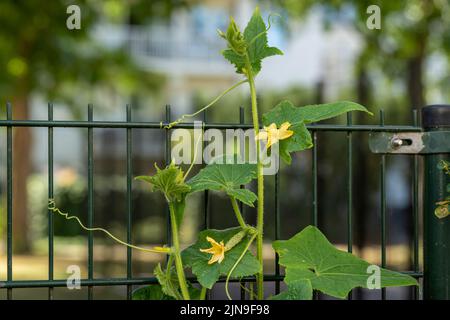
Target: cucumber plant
column 311, row 262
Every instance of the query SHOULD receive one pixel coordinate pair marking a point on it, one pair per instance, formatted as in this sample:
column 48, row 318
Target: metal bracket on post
column 434, row 144
column 431, row 142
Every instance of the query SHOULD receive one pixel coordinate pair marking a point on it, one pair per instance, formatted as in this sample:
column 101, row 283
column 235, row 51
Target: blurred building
column 186, row 49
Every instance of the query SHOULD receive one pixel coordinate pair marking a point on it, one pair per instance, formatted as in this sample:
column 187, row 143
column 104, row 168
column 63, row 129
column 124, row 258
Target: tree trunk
column 415, row 81
column 21, row 171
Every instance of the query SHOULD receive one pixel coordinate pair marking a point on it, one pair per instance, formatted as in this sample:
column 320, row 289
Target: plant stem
column 203, row 294
column 237, row 212
column 236, row 264
column 168, row 276
column 260, row 208
column 178, row 262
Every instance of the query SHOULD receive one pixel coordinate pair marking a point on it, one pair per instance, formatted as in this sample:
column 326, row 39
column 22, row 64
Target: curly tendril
column 52, row 207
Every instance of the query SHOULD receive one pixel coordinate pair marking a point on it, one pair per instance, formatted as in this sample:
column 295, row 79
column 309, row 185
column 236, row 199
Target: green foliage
column 170, row 181
column 285, row 111
column 319, row 112
column 151, row 292
column 251, row 47
column 157, row 292
column 208, row 274
column 227, row 178
column 297, row 290
column 309, row 256
column 43, row 56
column 235, row 39
column 311, row 261
column 168, row 281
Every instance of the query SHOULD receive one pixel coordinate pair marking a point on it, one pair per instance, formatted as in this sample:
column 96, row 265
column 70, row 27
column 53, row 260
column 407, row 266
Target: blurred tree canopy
column 40, row 55
column 411, row 31
column 392, row 69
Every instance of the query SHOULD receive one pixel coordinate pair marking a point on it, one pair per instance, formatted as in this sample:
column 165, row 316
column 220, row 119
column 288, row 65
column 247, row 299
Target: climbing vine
column 311, row 262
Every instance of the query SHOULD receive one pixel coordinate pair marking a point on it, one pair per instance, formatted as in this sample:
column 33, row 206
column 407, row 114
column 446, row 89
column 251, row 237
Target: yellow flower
column 273, row 135
column 217, row 250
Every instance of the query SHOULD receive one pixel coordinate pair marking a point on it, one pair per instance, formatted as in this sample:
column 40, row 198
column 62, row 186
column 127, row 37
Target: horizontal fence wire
column 191, row 125
column 129, row 124
column 137, row 281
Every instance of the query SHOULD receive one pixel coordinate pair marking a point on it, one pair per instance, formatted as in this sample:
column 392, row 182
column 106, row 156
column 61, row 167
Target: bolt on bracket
column 410, row 142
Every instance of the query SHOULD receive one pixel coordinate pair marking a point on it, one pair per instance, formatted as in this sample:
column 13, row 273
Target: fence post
column 436, row 231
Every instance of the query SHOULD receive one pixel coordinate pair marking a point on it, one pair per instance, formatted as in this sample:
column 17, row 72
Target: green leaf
column 169, row 181
column 310, row 256
column 300, row 140
column 169, row 282
column 151, row 292
column 208, row 274
column 256, row 46
column 297, row 290
column 255, row 35
column 227, row 178
column 235, row 59
column 319, row 112
column 194, row 292
column 285, row 111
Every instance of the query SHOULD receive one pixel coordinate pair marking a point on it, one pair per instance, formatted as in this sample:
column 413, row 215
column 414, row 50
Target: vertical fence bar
column 206, row 218
column 314, row 181
column 90, row 201
column 129, row 200
column 50, row 196
column 277, row 226
column 383, row 207
column 416, row 212
column 167, row 162
column 9, row 196
column 314, row 187
column 349, row 189
column 436, row 231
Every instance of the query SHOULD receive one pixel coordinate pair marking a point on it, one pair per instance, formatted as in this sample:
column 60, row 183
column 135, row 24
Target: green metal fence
column 90, row 125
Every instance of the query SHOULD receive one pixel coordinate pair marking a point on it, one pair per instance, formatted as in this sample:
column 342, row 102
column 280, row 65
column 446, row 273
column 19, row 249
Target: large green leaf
column 227, row 178
column 151, row 292
column 297, row 290
column 319, row 112
column 285, row 111
column 310, row 256
column 208, row 274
